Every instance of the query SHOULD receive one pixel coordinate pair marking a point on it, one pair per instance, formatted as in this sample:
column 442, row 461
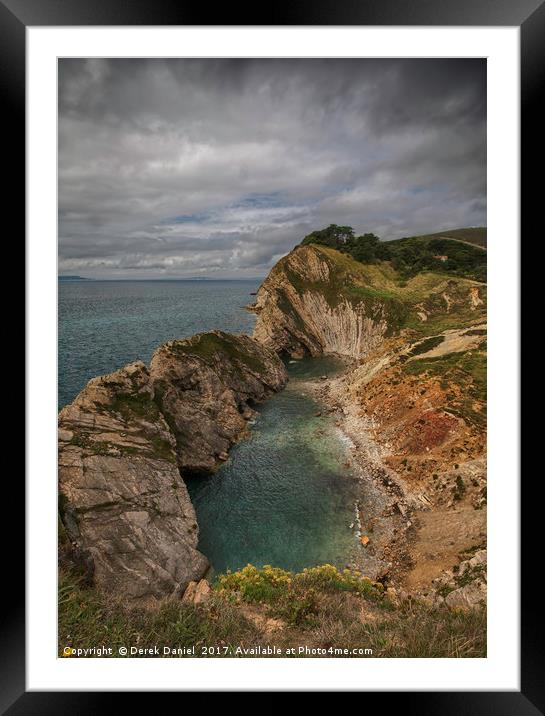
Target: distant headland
column 74, row 278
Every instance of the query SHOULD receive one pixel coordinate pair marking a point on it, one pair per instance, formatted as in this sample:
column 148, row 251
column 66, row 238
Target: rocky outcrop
column 315, row 301
column 122, row 501
column 419, row 345
column 319, row 300
column 465, row 588
column 205, row 387
column 197, row 592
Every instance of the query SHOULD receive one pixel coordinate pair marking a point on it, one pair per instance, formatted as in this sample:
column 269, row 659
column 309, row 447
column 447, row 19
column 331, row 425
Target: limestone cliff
column 205, row 386
column 122, row 501
column 309, row 304
column 420, row 345
column 318, row 300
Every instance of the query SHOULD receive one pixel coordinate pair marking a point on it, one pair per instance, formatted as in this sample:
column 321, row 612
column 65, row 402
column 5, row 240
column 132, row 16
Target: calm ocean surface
column 105, row 324
column 283, row 497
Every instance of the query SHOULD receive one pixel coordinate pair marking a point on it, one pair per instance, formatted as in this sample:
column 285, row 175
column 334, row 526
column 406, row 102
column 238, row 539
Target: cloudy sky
column 219, row 167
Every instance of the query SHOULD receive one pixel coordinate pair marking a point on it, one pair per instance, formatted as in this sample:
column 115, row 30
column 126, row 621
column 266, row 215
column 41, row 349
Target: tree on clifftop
column 366, row 248
column 408, row 256
column 334, row 236
column 362, row 248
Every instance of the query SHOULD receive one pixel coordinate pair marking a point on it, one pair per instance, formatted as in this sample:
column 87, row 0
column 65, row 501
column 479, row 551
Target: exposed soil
column 411, row 525
column 440, row 537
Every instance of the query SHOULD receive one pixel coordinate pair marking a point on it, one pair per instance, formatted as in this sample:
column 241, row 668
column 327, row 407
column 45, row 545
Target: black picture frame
column 15, row 17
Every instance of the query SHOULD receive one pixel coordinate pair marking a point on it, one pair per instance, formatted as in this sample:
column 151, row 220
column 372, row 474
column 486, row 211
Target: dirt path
column 461, row 241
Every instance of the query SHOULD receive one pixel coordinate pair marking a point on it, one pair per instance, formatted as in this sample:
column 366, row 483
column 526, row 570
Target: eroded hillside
column 416, row 388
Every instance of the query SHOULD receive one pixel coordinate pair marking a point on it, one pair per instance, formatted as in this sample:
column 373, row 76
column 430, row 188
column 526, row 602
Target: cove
column 284, row 497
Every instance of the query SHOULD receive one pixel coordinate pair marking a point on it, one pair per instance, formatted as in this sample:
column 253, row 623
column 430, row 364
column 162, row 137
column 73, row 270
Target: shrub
column 267, row 585
column 327, row 577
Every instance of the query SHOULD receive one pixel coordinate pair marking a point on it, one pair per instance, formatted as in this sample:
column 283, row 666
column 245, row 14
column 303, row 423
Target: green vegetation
column 462, row 580
column 333, row 236
column 463, row 366
column 211, row 346
column 475, row 235
column 470, row 552
column 458, row 252
column 131, row 405
column 96, row 447
column 444, row 255
column 443, row 301
column 442, row 320
column 294, row 596
column 366, row 248
column 426, row 345
column 162, row 449
column 88, row 618
column 381, row 305
column 459, row 489
column 320, row 608
column 157, row 447
column 476, row 332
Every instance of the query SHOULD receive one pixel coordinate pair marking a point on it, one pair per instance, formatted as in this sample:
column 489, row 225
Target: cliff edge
column 205, row 386
column 415, row 390
column 124, row 444
column 318, row 300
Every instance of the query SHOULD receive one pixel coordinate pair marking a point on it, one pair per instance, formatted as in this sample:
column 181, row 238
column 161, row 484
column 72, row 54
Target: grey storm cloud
column 219, row 167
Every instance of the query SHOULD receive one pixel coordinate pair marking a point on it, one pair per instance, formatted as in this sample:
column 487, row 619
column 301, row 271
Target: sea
column 284, row 497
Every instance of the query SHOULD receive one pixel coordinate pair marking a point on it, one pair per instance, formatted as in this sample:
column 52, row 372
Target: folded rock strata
column 416, row 385
column 303, row 308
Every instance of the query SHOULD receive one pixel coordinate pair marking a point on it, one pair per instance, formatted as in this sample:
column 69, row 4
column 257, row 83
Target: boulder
column 467, row 597
column 197, row 592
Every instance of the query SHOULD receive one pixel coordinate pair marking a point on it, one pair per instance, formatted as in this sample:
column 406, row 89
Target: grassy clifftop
column 216, row 346
column 426, row 302
column 459, row 252
column 319, row 612
column 475, row 235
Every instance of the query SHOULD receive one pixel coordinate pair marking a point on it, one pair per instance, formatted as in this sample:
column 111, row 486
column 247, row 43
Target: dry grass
column 324, row 614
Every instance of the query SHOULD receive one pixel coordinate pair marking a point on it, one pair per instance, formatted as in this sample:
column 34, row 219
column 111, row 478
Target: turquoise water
column 105, row 324
column 283, row 497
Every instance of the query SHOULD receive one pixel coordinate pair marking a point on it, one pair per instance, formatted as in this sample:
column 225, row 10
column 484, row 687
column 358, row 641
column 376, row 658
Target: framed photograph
column 273, row 352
